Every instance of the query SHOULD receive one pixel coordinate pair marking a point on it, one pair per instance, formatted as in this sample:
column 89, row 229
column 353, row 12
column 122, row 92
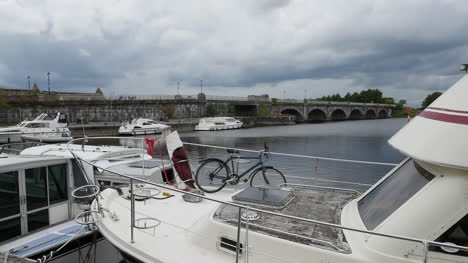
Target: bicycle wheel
column 267, row 177
column 211, row 176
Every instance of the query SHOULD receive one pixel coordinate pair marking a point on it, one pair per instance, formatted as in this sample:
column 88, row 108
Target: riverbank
column 181, row 125
column 404, row 114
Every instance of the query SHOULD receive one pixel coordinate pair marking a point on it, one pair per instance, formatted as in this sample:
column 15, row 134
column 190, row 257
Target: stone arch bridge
column 316, row 111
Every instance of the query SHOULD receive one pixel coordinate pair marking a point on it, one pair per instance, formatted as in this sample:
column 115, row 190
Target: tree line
column 376, row 96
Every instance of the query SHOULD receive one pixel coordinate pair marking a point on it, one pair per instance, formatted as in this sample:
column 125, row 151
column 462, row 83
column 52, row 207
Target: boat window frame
column 24, row 213
column 382, row 183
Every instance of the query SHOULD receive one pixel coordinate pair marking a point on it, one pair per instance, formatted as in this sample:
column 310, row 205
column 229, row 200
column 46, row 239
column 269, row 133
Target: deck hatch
column 264, row 196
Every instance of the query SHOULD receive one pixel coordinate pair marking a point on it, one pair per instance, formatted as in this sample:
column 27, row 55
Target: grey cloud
column 244, row 46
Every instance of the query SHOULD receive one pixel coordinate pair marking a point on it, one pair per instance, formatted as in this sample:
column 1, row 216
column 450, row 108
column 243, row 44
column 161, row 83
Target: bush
column 264, row 111
column 211, row 110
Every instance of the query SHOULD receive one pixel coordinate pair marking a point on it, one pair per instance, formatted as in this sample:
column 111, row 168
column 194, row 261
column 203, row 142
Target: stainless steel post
column 239, row 218
column 132, row 211
column 426, row 247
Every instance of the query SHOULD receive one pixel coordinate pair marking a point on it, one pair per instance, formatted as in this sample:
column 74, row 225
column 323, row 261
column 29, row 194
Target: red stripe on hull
column 445, row 117
column 449, row 110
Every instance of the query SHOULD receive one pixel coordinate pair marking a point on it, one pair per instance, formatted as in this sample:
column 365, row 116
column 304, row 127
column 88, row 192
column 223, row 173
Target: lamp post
column 29, row 84
column 48, row 80
column 178, row 88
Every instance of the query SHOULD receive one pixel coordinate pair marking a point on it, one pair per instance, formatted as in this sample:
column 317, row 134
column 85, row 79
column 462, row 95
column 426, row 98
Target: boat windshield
column 392, row 193
column 21, row 124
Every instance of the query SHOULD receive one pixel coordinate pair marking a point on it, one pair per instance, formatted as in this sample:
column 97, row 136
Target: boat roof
column 439, row 134
column 89, row 152
column 14, row 162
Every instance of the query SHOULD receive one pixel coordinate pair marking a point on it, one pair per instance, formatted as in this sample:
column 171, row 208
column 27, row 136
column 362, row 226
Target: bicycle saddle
column 231, row 151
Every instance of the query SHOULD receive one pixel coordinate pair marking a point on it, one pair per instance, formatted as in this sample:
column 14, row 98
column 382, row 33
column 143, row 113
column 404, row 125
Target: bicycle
column 217, row 173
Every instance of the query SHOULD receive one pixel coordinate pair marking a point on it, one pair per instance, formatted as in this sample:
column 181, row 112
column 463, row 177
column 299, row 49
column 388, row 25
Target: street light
column 178, row 88
column 29, row 83
column 48, row 80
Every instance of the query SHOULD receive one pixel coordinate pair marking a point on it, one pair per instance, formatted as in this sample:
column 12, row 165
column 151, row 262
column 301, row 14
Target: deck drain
column 250, row 216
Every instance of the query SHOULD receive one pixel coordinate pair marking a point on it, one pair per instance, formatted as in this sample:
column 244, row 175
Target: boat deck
column 314, row 203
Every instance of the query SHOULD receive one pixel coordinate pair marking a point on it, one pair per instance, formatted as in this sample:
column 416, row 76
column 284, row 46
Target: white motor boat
column 142, row 126
column 418, row 212
column 47, row 137
column 43, row 124
column 39, row 218
column 218, row 123
column 114, row 158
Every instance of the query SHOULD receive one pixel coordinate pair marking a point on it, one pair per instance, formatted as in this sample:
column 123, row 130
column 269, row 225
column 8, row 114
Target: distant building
column 13, row 95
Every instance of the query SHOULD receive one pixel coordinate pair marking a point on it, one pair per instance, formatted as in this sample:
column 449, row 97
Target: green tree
column 274, row 101
column 211, row 110
column 430, row 98
column 264, row 111
column 3, row 101
column 400, row 105
column 371, row 95
column 168, row 110
column 231, row 110
column 388, row 100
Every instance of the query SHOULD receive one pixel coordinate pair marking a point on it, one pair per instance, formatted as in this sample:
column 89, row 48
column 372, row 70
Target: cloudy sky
column 407, row 49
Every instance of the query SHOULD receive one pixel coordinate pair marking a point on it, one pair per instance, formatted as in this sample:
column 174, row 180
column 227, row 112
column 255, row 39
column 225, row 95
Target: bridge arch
column 317, row 115
column 370, row 114
column 383, row 114
column 356, row 114
column 293, row 112
column 338, row 115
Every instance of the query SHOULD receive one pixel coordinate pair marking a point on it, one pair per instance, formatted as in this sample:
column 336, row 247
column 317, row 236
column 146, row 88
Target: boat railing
column 16, row 148
column 243, row 224
column 316, row 162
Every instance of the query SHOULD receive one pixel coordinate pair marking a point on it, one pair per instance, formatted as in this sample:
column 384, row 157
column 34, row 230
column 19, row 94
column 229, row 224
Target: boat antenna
column 84, row 132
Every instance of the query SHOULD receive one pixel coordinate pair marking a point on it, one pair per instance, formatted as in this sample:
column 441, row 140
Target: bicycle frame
column 253, row 167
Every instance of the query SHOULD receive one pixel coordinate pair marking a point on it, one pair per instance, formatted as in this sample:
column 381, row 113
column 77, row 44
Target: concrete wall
column 117, row 110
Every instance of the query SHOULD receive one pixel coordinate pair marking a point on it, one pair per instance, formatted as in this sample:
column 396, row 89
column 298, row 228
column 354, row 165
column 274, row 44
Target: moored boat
column 39, row 218
column 142, row 126
column 416, row 213
column 218, row 123
column 44, row 123
column 47, row 137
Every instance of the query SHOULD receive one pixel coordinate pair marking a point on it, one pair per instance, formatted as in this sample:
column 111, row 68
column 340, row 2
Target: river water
column 364, row 140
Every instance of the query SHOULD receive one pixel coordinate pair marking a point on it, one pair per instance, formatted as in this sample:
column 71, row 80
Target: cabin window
column 10, row 228
column 37, row 125
column 458, row 235
column 62, row 118
column 79, row 178
column 57, row 183
column 36, row 188
column 9, row 194
column 38, row 220
column 392, row 193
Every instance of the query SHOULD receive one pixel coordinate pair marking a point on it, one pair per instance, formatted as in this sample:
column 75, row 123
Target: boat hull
column 10, row 137
column 47, row 139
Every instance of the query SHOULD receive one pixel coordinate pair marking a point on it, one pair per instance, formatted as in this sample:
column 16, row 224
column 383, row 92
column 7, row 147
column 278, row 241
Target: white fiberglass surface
column 392, row 193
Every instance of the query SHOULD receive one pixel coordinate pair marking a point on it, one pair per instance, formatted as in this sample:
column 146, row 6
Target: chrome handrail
column 425, row 243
